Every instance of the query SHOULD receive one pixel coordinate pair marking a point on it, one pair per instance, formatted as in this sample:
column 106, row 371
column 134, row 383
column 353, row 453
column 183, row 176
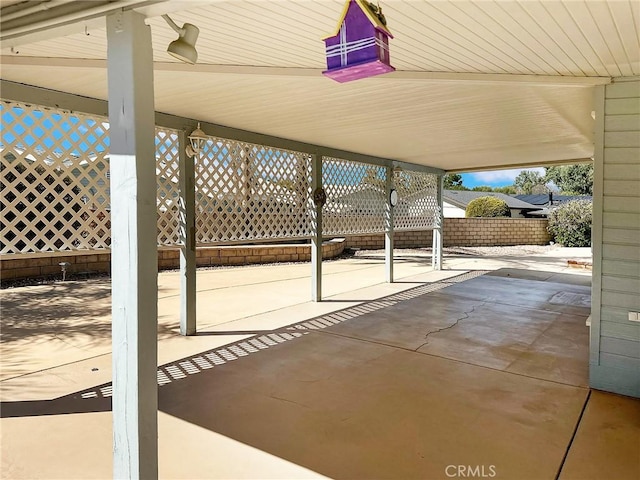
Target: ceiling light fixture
column 184, row 47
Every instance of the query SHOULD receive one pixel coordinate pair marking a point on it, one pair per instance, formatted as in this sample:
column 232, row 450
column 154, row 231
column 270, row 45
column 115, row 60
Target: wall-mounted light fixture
column 184, row 47
column 197, row 141
column 393, row 197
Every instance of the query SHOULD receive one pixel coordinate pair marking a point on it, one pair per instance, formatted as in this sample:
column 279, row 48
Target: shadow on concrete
column 223, row 333
column 60, row 406
column 339, row 300
column 99, row 398
column 419, row 259
column 64, row 310
column 357, row 400
column 542, row 275
column 60, row 310
column 324, row 395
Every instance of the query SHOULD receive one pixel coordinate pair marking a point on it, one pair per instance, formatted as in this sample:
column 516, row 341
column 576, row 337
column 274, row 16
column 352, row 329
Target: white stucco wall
column 451, row 211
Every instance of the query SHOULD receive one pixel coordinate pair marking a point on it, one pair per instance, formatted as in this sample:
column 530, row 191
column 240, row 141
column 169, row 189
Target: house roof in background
column 543, row 198
column 461, row 198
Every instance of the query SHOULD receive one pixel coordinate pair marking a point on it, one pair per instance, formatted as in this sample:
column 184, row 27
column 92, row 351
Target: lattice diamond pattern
column 168, row 194
column 55, row 183
column 55, row 188
column 355, row 197
column 417, row 207
column 246, row 191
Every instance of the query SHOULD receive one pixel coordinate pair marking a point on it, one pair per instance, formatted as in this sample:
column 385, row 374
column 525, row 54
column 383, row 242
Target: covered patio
column 473, row 367
column 252, row 142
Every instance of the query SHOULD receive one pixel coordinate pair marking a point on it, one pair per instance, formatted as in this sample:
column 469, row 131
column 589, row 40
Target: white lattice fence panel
column 355, row 197
column 246, row 191
column 417, row 207
column 168, row 194
column 55, row 182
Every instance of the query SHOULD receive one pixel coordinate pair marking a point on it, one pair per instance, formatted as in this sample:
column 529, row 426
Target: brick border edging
column 36, row 265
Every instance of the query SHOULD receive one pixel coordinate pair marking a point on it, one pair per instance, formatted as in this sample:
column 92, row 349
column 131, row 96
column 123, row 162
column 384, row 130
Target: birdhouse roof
column 373, row 18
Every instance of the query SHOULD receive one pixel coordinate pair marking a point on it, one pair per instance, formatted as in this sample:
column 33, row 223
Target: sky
column 495, row 178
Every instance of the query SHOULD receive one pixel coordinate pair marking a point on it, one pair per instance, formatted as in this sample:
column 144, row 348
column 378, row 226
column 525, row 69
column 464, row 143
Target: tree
column 372, row 179
column 287, row 184
column 527, row 180
column 540, row 189
column 572, row 179
column 482, row 188
column 453, row 181
column 508, row 190
column 570, row 223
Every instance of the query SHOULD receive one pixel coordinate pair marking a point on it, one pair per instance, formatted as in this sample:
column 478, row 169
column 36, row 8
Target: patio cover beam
column 547, row 163
column 29, row 22
column 431, row 77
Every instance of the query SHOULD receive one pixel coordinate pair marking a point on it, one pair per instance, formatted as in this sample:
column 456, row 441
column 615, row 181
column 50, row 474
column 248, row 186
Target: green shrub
column 570, row 224
column 487, row 207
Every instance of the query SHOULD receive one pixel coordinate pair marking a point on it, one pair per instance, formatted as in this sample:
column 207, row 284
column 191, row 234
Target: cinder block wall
column 461, row 232
column 418, row 239
column 465, row 232
column 477, row 232
column 35, row 265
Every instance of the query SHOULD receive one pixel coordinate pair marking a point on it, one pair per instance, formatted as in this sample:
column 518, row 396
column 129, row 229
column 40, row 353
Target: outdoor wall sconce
column 393, row 197
column 197, row 141
column 319, row 197
column 184, row 47
column 359, row 48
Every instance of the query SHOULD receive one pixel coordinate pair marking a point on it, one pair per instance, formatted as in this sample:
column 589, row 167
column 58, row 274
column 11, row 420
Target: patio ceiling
column 479, row 84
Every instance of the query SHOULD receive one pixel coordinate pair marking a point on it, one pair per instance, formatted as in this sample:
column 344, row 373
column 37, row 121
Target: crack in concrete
column 454, row 324
column 289, row 401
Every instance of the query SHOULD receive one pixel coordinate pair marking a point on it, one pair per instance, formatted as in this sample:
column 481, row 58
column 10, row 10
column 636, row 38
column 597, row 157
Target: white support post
column 388, row 226
column 134, row 253
column 316, row 232
column 187, row 229
column 436, row 251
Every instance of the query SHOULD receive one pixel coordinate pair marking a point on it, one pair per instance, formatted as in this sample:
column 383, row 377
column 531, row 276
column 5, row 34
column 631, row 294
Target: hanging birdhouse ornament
column 360, row 46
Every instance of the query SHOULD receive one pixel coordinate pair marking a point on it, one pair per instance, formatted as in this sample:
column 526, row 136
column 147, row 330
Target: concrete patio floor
column 481, row 365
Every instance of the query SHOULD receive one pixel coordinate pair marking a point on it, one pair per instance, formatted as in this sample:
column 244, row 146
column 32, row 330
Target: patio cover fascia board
column 444, row 77
column 94, row 106
column 547, row 163
column 26, row 23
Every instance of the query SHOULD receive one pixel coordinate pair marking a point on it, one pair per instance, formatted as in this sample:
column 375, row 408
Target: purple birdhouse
column 360, row 46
